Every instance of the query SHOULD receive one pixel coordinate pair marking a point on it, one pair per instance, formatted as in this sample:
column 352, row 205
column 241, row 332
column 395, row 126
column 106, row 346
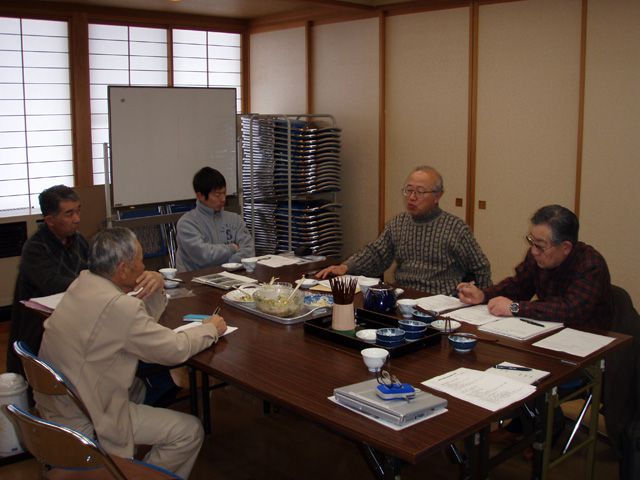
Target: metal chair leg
column 583, row 411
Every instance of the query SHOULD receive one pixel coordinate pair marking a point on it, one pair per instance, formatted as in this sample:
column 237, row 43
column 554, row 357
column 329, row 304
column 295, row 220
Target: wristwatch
column 515, row 308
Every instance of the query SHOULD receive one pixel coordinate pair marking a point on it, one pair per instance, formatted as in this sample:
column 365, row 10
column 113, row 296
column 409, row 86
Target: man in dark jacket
column 51, row 259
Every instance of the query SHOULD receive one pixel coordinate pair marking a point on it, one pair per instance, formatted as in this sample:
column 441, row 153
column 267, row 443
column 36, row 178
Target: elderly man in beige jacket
column 105, row 323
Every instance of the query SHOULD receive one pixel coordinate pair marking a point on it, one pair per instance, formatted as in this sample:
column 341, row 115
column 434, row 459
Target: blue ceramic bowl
column 463, row 342
column 415, row 334
column 390, row 337
column 412, row 325
column 424, row 317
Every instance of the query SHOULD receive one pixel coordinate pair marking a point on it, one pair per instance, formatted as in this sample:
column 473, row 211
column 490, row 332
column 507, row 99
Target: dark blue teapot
column 380, row 298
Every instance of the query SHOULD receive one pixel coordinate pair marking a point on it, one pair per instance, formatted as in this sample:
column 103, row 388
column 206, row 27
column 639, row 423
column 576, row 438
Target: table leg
column 206, row 405
column 383, row 466
column 476, row 447
column 193, row 391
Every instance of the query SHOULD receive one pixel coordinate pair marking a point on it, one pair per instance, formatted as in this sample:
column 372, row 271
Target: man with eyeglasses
column 433, row 249
column 560, row 279
column 207, row 235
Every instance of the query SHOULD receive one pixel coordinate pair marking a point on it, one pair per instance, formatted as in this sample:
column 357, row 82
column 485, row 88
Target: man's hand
column 336, row 270
column 469, row 293
column 500, row 306
column 150, row 282
column 218, row 322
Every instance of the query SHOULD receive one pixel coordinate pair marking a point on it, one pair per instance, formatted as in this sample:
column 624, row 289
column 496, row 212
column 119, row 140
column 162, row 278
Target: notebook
column 362, row 397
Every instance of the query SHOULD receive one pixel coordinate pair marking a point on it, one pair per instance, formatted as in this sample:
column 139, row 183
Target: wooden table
column 283, row 365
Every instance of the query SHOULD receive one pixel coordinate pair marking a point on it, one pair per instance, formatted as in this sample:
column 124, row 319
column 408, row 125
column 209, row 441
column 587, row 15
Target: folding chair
column 65, row 453
column 44, row 378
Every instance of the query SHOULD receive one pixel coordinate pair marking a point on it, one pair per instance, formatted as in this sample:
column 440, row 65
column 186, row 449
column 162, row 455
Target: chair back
column 44, row 378
column 59, row 446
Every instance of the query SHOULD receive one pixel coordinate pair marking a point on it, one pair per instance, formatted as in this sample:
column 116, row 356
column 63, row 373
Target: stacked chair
column 63, row 452
column 290, row 176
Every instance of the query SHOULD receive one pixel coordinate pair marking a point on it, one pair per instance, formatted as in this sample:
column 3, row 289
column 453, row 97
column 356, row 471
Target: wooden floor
column 248, row 444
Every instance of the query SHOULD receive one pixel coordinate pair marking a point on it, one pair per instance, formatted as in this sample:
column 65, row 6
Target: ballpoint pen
column 530, row 322
column 512, row 367
column 216, row 311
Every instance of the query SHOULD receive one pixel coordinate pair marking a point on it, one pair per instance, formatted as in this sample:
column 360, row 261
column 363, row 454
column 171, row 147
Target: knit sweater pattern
column 433, row 253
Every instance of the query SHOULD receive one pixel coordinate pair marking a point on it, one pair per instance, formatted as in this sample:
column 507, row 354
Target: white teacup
column 365, row 283
column 168, row 272
column 374, row 358
column 249, row 264
column 406, row 306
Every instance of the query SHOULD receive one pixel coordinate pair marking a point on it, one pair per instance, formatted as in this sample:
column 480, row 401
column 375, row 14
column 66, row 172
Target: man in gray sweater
column 207, row 235
column 433, row 249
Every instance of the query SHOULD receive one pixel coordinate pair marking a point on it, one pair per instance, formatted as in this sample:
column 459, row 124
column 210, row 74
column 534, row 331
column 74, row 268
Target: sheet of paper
column 389, row 424
column 574, row 342
column 525, row 376
column 50, row 302
column 476, row 315
column 189, row 325
column 239, row 278
column 483, row 389
column 276, row 261
column 440, row 303
column 519, row 329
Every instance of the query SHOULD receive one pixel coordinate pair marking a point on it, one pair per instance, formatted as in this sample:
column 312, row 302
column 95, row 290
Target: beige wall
column 611, row 168
column 427, row 101
column 528, row 100
column 345, row 79
column 277, row 71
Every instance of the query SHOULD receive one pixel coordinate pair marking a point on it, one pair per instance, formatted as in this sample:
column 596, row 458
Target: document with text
column 476, row 315
column 440, row 303
column 574, row 342
column 480, row 388
column 520, row 328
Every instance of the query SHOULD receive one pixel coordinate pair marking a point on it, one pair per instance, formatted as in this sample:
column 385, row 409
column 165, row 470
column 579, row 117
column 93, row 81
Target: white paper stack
column 520, row 329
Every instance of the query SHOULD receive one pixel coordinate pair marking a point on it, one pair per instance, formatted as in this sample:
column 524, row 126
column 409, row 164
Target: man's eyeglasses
column 418, row 192
column 537, row 246
column 387, row 379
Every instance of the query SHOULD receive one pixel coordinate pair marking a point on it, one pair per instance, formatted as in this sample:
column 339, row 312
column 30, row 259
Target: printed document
column 476, row 315
column 440, row 303
column 574, row 342
column 483, row 389
column 530, row 376
column 519, row 328
column 44, row 304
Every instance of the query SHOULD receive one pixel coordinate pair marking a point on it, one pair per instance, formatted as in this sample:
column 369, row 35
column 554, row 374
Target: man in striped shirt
column 434, row 250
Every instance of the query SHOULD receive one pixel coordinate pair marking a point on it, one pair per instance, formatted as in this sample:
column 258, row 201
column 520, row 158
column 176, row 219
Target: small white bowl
column 168, row 272
column 441, row 325
column 368, row 334
column 365, row 283
column 249, row 263
column 406, row 306
column 230, row 267
column 374, row 358
column 307, row 282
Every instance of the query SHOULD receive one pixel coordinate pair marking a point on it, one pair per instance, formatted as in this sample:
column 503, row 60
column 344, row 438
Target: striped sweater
column 433, row 253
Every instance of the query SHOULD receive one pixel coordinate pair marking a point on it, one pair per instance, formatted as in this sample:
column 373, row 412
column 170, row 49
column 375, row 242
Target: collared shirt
column 577, row 292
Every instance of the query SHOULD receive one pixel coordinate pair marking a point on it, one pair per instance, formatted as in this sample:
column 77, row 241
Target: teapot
column 380, row 298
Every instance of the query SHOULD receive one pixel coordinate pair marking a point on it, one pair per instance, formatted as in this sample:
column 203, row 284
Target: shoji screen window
column 207, row 59
column 120, row 55
column 35, row 110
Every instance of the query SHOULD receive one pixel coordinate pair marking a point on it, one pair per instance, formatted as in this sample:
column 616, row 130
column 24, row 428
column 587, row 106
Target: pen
column 216, row 311
column 511, row 367
column 531, row 322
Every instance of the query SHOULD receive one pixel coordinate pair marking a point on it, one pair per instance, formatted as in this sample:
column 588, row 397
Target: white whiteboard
column 161, row 136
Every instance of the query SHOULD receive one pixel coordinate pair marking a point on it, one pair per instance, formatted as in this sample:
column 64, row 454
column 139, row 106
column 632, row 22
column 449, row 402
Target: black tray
column 321, row 327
